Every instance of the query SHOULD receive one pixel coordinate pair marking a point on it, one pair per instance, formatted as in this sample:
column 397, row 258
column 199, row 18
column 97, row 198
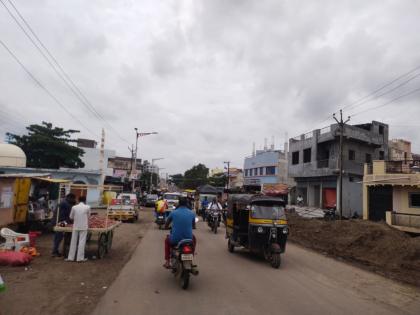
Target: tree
column 218, row 180
column 196, row 176
column 48, row 147
column 145, row 180
column 177, row 180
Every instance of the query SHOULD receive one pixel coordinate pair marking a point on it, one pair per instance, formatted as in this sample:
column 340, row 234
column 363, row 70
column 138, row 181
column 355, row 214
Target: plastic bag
column 14, row 259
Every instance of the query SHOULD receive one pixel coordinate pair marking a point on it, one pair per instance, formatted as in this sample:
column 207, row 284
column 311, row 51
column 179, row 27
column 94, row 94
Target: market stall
column 100, row 233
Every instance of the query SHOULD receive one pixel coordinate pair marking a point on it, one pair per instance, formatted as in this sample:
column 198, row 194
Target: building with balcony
column 314, row 163
column 391, row 192
column 268, row 166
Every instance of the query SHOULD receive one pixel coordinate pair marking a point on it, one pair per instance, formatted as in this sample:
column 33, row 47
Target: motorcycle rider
column 214, row 206
column 161, row 206
column 204, row 205
column 183, row 222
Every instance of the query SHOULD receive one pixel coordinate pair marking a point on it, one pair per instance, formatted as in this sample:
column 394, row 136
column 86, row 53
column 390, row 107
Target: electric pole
column 134, row 167
column 341, row 124
column 228, row 174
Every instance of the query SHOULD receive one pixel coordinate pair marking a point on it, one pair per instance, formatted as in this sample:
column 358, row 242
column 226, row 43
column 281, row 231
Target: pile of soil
column 374, row 245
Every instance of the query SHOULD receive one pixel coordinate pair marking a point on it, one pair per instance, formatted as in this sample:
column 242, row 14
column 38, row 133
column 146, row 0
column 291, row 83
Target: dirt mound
column 374, row 245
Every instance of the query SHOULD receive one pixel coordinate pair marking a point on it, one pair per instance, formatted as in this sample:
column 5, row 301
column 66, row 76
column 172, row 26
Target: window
column 381, row 130
column 246, row 173
column 352, row 155
column 381, row 155
column 295, row 157
column 414, row 199
column 307, row 155
column 270, row 170
column 368, row 158
column 261, row 170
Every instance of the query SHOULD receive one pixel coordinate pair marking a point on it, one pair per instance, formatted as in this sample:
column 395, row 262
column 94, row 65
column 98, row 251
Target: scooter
column 330, row 214
column 182, row 265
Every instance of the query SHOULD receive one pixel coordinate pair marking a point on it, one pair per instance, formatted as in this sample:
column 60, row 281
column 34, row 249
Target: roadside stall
column 28, row 200
column 100, row 233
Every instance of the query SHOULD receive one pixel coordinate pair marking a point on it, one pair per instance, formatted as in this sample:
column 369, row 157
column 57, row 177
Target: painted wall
column 92, row 157
column 401, row 202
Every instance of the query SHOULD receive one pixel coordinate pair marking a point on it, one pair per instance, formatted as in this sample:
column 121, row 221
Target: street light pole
column 134, row 167
column 341, row 124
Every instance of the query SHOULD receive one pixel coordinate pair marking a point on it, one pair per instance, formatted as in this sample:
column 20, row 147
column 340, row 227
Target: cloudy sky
column 211, row 76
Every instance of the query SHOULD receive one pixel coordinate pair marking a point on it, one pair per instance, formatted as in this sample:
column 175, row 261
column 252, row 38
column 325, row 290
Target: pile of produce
column 96, row 222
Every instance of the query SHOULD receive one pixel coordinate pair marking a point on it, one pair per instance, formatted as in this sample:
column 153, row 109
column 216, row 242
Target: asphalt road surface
column 239, row 283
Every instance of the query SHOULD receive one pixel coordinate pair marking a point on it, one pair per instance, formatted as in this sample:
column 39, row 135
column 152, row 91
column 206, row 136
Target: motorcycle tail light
column 187, row 250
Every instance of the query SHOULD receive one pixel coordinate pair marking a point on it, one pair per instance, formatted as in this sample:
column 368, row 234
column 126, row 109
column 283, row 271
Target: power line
column 387, row 92
column 62, row 74
column 389, row 102
column 382, row 87
column 44, row 88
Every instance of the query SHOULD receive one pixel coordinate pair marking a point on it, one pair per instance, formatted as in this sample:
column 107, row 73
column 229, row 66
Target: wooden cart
column 101, row 236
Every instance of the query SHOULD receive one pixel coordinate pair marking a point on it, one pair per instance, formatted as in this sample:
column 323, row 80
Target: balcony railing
column 398, row 167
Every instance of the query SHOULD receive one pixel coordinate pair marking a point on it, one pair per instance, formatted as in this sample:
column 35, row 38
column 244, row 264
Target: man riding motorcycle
column 183, row 222
column 214, row 206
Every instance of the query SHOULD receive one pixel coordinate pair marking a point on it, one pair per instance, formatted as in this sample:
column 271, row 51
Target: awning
column 53, row 180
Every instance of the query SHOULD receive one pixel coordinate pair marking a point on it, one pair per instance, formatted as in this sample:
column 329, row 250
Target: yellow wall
column 401, row 202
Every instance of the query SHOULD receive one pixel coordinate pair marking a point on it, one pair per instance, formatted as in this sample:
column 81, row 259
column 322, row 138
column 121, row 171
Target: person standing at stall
column 80, row 215
column 62, row 216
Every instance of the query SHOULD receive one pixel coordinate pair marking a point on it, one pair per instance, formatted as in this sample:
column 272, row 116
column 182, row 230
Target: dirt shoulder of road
column 372, row 245
column 52, row 286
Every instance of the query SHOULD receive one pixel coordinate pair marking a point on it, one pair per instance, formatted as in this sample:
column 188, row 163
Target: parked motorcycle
column 182, row 265
column 213, row 220
column 330, row 214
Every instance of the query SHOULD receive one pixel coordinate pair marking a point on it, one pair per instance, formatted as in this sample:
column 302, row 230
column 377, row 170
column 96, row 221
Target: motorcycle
column 213, row 220
column 330, row 214
column 182, row 262
column 160, row 220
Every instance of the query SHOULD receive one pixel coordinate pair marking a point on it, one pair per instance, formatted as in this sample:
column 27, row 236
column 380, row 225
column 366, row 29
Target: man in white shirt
column 80, row 215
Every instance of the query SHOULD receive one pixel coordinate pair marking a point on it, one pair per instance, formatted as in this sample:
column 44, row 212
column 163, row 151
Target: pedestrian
column 62, row 217
column 80, row 215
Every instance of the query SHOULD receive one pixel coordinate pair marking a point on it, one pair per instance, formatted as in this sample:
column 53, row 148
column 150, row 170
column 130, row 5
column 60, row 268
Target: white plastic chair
column 14, row 241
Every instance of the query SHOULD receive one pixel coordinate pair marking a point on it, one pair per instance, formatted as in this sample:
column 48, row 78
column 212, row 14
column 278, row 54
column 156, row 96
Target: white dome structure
column 12, row 156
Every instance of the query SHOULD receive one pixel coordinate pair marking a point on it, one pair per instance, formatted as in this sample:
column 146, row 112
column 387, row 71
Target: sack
column 10, row 258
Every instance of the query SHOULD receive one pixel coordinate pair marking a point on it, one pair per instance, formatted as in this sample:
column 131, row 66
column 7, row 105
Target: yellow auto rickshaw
column 259, row 224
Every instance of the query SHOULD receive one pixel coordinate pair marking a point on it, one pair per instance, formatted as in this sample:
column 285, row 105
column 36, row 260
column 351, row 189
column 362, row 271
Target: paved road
column 306, row 283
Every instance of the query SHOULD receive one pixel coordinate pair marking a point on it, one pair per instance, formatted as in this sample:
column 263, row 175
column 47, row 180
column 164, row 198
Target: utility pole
column 134, row 167
column 341, row 124
column 228, row 174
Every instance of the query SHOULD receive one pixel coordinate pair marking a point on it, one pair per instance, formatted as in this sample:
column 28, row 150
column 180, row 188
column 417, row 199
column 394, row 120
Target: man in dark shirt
column 63, row 213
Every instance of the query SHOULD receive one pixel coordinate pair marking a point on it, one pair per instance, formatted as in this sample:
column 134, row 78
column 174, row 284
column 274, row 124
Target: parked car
column 124, row 208
column 151, row 200
column 172, row 200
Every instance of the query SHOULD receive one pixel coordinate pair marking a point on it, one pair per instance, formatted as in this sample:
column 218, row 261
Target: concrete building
column 399, row 149
column 236, row 177
column 122, row 166
column 266, row 166
column 314, row 157
column 391, row 192
column 12, row 155
column 92, row 156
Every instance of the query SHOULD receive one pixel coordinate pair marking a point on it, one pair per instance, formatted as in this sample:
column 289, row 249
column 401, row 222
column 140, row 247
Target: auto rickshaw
column 259, row 224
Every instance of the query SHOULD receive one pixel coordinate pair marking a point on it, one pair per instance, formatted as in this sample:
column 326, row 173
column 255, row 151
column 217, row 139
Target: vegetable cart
column 102, row 236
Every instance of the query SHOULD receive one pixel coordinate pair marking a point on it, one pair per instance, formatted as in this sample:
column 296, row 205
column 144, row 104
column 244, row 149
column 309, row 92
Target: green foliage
column 145, row 180
column 218, row 180
column 196, row 176
column 177, row 179
column 48, row 147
